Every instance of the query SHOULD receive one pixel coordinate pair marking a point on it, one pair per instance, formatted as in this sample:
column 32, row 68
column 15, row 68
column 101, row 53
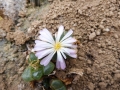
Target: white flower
column 61, row 45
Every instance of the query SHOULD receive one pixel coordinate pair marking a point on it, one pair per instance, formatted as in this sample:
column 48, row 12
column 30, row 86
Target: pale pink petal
column 55, row 35
column 62, row 64
column 46, row 39
column 74, row 46
column 58, row 64
column 45, row 61
column 69, row 33
column 69, row 40
column 38, row 42
column 38, row 48
column 47, row 34
column 43, row 53
column 43, row 44
column 63, row 54
column 70, row 52
column 69, row 46
column 73, row 55
column 61, row 60
column 60, row 32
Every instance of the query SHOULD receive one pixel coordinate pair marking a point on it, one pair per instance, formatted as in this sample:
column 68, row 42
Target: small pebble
column 91, row 86
column 101, row 26
column 92, row 36
column 106, row 29
column 117, row 77
column 116, row 36
column 102, row 85
column 2, row 33
column 98, row 32
column 89, row 71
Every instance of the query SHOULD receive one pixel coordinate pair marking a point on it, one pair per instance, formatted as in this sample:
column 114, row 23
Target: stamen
column 57, row 46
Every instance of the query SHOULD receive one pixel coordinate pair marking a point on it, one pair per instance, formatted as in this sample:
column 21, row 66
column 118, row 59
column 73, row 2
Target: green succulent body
column 35, row 71
column 48, row 69
column 57, row 85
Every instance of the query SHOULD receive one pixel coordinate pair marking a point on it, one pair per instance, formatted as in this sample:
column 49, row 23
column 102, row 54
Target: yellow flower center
column 57, row 46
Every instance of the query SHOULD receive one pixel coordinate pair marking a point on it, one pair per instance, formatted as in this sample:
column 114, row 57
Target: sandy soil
column 96, row 24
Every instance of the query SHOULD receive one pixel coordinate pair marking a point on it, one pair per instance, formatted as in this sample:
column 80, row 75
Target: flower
column 47, row 46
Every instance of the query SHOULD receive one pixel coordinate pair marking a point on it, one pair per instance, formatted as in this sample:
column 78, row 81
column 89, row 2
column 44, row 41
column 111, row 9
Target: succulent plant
column 35, row 71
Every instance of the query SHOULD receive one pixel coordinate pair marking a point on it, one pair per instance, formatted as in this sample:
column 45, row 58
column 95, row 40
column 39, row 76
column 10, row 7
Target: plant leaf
column 57, row 85
column 32, row 57
column 48, row 69
column 37, row 74
column 27, row 74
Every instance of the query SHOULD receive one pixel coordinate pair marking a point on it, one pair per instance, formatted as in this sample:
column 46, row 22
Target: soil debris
column 18, row 36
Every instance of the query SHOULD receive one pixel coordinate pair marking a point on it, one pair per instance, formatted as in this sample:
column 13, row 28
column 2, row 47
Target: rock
column 100, row 51
column 89, row 62
column 22, row 14
column 116, row 36
column 15, row 50
column 106, row 30
column 116, row 71
column 89, row 71
column 1, row 70
column 70, row 88
column 102, row 64
column 113, row 1
column 21, row 70
column 2, row 84
column 91, row 86
column 92, row 36
column 75, row 80
column 79, row 11
column 19, row 24
column 18, row 36
column 117, row 77
column 102, row 85
column 109, row 14
column 2, row 33
column 101, row 26
column 98, row 32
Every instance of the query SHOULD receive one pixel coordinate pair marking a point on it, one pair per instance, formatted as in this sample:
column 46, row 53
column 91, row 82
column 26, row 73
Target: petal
column 58, row 64
column 70, row 52
column 69, row 33
column 47, row 59
column 43, row 44
column 61, row 60
column 38, row 42
column 60, row 32
column 69, row 40
column 73, row 55
column 43, row 53
column 46, row 39
column 55, row 35
column 63, row 54
column 74, row 46
column 37, row 48
column 69, row 45
column 62, row 65
column 46, row 34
